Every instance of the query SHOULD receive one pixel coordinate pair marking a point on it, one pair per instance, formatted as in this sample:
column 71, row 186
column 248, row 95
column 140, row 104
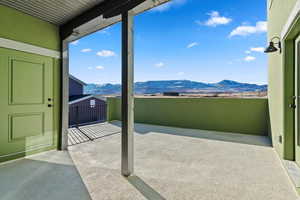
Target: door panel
column 26, row 85
column 29, row 75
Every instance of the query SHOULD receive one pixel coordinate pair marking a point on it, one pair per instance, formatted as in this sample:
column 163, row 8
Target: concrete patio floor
column 170, row 163
column 46, row 176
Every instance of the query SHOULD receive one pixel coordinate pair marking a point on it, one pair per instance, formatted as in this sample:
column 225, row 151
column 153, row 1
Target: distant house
column 174, row 94
column 84, row 108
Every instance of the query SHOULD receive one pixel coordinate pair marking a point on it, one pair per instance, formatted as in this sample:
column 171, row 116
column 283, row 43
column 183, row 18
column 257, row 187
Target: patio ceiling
column 80, row 16
column 57, row 12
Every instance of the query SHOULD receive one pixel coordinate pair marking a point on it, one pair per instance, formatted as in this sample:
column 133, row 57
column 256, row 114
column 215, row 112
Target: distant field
column 263, row 94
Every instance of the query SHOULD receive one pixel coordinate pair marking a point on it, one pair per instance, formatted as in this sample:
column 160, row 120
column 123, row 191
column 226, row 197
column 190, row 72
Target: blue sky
column 200, row 40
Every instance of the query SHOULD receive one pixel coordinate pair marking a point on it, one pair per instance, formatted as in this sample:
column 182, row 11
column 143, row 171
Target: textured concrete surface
column 170, row 163
column 91, row 132
column 184, row 164
column 46, row 176
column 293, row 171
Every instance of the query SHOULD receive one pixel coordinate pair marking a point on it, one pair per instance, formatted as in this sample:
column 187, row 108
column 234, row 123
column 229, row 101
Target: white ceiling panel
column 54, row 11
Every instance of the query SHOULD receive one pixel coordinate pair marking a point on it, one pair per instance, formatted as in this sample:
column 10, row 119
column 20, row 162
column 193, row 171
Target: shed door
column 26, row 111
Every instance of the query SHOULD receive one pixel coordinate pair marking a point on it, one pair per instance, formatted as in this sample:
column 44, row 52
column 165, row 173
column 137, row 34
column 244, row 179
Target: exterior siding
column 278, row 13
column 75, row 88
column 86, row 102
column 86, row 113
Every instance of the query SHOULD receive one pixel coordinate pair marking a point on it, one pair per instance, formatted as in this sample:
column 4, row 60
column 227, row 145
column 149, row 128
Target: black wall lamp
column 272, row 46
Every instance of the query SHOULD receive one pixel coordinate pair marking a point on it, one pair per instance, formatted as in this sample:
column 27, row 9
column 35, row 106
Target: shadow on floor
column 46, row 177
column 201, row 134
column 147, row 191
column 82, row 134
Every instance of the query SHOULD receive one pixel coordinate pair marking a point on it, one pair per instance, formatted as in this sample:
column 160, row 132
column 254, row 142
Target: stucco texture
column 247, row 116
column 21, row 27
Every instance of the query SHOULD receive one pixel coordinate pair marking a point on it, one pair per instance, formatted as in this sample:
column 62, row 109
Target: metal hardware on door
column 49, row 99
column 49, row 105
column 292, row 106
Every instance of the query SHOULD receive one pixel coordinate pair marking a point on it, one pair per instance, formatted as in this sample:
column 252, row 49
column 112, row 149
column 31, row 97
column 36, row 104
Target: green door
column 297, row 99
column 26, row 110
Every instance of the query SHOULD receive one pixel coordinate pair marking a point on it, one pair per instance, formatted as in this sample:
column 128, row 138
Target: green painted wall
column 278, row 13
column 248, row 116
column 21, row 27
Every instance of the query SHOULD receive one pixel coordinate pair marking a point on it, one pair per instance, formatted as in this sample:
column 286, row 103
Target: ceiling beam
column 118, row 10
column 108, row 7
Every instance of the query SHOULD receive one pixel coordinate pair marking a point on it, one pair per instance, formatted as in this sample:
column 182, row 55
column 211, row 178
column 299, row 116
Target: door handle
column 293, row 106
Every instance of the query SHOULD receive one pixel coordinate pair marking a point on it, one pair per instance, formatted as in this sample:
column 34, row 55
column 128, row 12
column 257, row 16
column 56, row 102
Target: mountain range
column 181, row 86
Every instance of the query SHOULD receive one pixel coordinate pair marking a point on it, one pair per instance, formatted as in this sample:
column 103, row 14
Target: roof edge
column 77, row 80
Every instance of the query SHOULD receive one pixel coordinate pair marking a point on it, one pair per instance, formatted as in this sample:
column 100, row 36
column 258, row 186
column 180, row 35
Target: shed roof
column 77, row 80
column 78, row 97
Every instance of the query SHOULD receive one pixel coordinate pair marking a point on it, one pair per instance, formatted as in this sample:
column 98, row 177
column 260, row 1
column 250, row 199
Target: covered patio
column 170, row 163
column 53, row 27
column 118, row 160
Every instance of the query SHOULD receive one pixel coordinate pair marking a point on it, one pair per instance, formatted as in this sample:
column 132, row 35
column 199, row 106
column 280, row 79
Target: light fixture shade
column 271, row 48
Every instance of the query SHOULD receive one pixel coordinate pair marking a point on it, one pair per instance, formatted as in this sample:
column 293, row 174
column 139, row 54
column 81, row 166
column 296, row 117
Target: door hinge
column 280, row 139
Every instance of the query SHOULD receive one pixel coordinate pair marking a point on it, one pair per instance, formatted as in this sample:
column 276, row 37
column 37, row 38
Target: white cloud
column 167, row 6
column 244, row 30
column 86, row 50
column 180, row 73
column 99, row 67
column 106, row 53
column 257, row 49
column 216, row 19
column 193, row 44
column 75, row 42
column 163, row 7
column 105, row 31
column 160, row 64
column 249, row 58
